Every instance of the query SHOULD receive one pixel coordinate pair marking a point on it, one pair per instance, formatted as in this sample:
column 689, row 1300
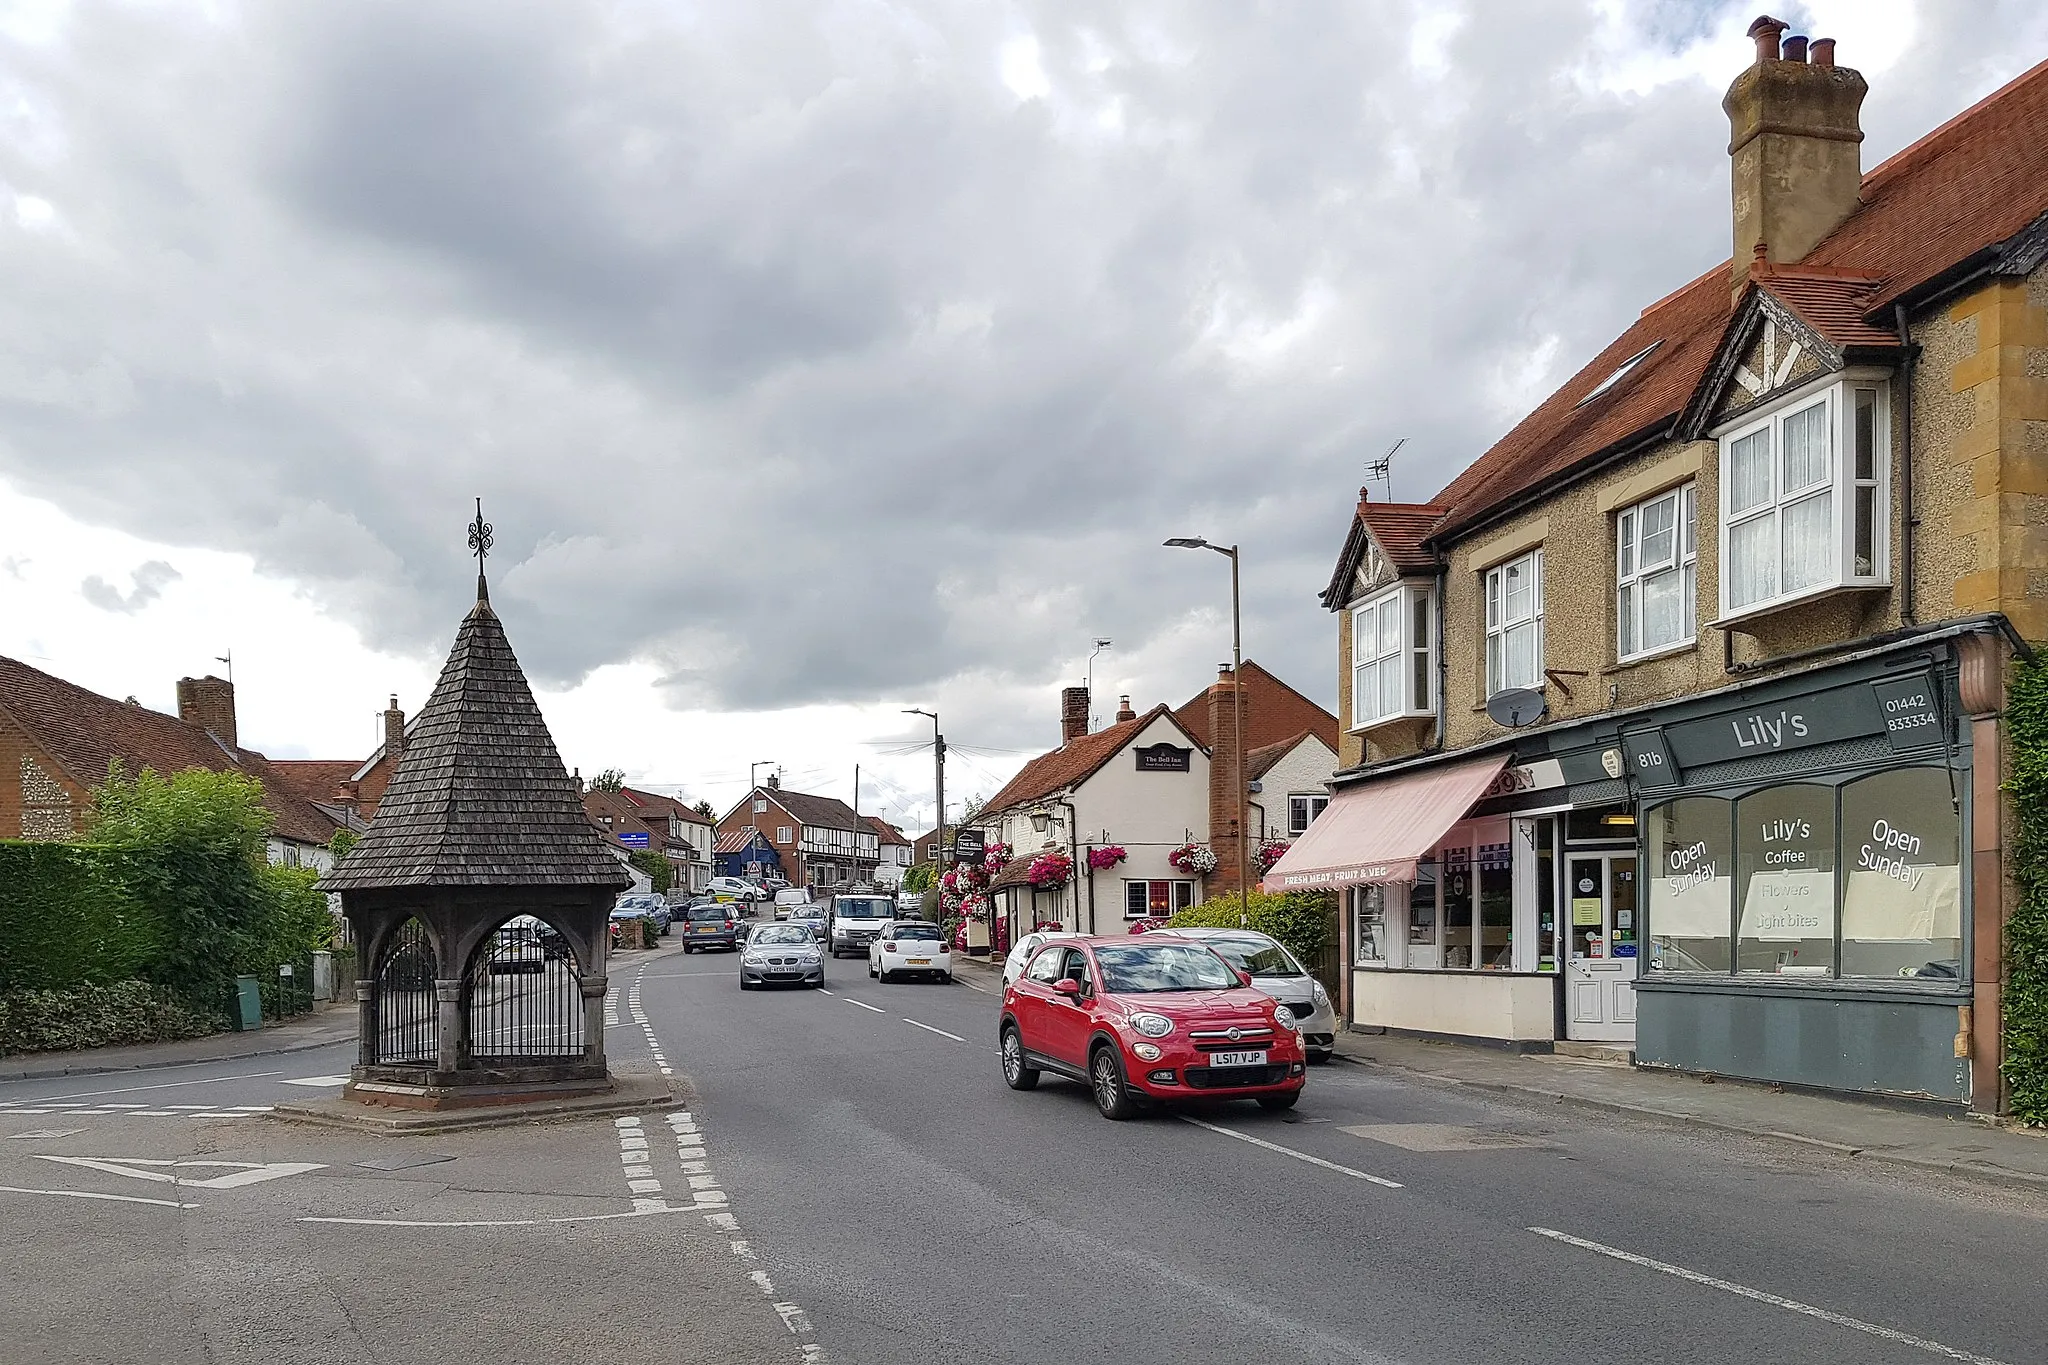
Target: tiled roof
column 316, row 779
column 1273, row 711
column 1071, row 763
column 1401, row 530
column 480, row 796
column 890, row 835
column 1260, row 761
column 1833, row 305
column 1976, row 181
column 86, row 732
column 735, row 840
column 829, row 812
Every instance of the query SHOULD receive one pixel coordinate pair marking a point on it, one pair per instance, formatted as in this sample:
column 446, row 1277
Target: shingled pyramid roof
column 480, row 796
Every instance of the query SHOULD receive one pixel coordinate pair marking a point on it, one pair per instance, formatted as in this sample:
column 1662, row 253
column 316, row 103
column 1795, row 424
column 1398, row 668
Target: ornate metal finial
column 480, row 545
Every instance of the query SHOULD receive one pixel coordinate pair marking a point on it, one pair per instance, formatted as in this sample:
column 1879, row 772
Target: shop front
column 1808, row 903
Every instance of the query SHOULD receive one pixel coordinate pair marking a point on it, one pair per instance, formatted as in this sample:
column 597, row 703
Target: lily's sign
column 1906, row 711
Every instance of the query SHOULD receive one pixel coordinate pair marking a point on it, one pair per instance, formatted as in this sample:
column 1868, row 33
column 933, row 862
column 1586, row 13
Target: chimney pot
column 1822, row 52
column 394, row 729
column 1073, row 714
column 1794, row 50
column 1766, row 30
column 1123, row 710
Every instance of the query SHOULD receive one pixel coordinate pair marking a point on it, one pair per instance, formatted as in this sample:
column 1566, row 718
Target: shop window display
column 1691, row 853
column 1902, row 896
column 1785, row 881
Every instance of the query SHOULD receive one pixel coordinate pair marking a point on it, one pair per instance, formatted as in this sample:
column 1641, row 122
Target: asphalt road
column 854, row 1183
column 921, row 1211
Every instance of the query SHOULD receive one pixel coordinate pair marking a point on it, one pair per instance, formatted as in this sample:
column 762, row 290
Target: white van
column 858, row 920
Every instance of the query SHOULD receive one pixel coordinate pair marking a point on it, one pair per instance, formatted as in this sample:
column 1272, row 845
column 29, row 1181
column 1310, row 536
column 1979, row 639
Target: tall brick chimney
column 1795, row 147
column 209, row 703
column 394, row 729
column 1123, row 709
column 1226, row 780
column 1073, row 714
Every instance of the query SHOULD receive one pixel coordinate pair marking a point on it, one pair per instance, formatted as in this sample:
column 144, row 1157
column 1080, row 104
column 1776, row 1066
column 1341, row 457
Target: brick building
column 58, row 741
column 640, row 822
column 820, row 840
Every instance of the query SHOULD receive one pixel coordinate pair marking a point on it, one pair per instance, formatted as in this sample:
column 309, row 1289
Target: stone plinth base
column 378, row 1106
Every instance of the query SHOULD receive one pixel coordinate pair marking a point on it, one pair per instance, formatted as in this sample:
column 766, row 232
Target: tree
column 342, row 842
column 919, row 877
column 704, row 809
column 610, row 780
column 973, row 806
column 658, row 869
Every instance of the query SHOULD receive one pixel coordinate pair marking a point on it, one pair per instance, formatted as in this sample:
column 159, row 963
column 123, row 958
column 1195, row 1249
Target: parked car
column 910, row 947
column 654, row 907
column 773, row 884
column 858, row 920
column 1153, row 1019
column 812, row 918
column 1013, row 965
column 781, row 954
column 788, row 899
column 910, row 901
column 710, row 926
column 1279, row 973
column 735, row 889
column 515, row 948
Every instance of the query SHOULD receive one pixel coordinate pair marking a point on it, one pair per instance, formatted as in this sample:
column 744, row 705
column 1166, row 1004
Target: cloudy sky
column 813, row 360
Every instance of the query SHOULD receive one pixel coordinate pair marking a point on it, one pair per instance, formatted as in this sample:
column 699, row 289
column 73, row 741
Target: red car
column 1149, row 1018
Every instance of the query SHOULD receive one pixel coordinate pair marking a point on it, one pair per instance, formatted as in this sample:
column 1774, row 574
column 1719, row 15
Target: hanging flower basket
column 1050, row 871
column 1197, row 860
column 1270, row 853
column 1103, row 859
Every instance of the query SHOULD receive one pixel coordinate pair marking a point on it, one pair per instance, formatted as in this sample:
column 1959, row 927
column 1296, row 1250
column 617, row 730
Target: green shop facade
column 1780, row 880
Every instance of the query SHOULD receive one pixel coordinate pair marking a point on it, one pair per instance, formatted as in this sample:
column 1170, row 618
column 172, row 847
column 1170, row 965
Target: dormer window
column 1393, row 649
column 1804, row 495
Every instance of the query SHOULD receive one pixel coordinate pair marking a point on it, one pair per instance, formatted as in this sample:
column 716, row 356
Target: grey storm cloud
column 795, row 350
column 149, row 581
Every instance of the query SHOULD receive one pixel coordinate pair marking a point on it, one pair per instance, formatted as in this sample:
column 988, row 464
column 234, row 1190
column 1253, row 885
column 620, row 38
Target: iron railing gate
column 523, row 997
column 408, row 1014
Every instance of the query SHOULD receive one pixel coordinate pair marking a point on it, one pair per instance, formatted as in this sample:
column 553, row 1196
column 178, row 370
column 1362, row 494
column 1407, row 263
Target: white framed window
column 1804, row 497
column 1393, row 654
column 783, row 834
column 760, row 805
column 1157, row 898
column 1302, row 809
column 1514, row 623
column 1656, row 559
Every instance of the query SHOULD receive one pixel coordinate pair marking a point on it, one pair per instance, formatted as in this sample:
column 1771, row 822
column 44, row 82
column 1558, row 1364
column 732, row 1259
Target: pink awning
column 1376, row 832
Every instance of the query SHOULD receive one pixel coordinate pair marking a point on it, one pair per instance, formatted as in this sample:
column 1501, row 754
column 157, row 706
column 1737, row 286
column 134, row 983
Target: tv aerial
column 1382, row 469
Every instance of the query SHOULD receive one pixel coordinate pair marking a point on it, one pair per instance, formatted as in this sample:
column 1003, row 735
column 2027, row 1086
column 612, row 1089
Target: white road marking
column 1790, row 1305
column 929, row 1029
column 864, row 1005
column 162, row 1085
column 89, row 1194
column 1289, row 1151
column 961, row 981
column 315, row 1080
column 497, row 1222
column 239, row 1173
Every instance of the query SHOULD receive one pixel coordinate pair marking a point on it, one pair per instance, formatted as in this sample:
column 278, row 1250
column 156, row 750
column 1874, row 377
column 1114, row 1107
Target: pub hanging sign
column 1164, row 758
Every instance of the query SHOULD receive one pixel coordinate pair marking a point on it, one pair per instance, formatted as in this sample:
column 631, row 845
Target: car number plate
column 1237, row 1058
column 920, row 962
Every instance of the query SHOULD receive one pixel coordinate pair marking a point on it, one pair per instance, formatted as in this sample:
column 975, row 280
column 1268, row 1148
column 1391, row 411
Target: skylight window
column 1621, row 372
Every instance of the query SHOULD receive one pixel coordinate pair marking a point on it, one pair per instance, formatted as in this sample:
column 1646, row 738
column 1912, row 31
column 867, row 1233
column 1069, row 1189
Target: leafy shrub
column 1305, row 921
column 123, row 1012
column 68, row 918
column 2026, row 933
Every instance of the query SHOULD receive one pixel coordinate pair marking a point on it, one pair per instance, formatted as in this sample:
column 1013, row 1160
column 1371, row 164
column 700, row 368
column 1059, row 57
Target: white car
column 1013, row 965
column 910, row 946
column 789, row 899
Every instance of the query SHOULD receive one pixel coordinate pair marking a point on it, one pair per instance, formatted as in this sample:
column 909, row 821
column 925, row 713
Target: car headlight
column 1322, row 996
column 1284, row 1017
column 1152, row 1026
column 752, row 959
column 1147, row 1052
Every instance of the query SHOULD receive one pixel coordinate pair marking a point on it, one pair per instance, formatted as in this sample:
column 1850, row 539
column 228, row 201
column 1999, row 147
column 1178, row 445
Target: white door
column 1600, row 969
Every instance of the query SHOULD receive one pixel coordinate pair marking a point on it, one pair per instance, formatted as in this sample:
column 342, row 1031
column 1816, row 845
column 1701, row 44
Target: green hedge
column 69, row 917
column 1306, row 921
column 2026, row 934
column 98, row 1016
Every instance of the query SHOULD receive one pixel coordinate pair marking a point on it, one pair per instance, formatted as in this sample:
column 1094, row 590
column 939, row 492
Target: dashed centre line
column 1379, row 1180
column 863, row 1004
column 929, row 1029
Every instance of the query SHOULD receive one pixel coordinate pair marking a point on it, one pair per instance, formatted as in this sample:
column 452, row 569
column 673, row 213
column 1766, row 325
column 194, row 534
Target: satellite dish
column 1515, row 707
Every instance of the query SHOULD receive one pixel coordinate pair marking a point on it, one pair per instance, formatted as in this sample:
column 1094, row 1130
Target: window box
column 1805, row 499
column 1393, row 657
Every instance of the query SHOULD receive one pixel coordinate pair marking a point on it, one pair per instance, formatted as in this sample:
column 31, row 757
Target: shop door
column 1600, row 972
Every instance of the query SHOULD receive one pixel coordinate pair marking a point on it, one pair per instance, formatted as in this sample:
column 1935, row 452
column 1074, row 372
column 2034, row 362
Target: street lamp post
column 938, row 789
column 752, row 787
column 1237, row 714
column 1100, row 644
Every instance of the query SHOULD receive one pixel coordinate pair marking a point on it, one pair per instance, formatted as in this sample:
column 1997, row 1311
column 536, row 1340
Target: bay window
column 1803, row 498
column 1393, row 652
column 1656, row 562
column 1514, row 623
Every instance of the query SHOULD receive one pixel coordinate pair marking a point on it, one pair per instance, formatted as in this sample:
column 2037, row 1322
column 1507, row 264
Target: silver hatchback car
column 1278, row 973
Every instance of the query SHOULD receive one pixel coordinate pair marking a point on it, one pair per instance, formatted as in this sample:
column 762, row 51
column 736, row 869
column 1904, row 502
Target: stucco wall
column 1460, row 1004
column 1305, row 771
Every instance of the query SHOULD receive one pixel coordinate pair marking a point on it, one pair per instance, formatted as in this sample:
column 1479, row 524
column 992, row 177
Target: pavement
column 852, row 1183
column 326, row 1026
